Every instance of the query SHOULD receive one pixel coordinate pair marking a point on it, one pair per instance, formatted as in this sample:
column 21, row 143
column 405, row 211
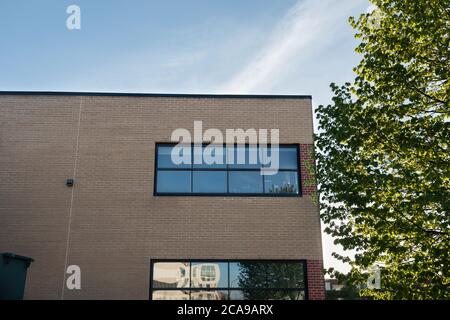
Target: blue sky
column 195, row 46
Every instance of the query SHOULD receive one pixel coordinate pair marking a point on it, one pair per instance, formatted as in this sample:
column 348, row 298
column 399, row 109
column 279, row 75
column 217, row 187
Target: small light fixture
column 69, row 182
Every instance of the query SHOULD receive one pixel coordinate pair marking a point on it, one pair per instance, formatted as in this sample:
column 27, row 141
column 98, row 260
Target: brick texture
column 116, row 224
column 316, row 282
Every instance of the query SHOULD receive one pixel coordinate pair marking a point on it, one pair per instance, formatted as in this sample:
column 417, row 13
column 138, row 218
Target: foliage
column 355, row 285
column 311, row 179
column 383, row 151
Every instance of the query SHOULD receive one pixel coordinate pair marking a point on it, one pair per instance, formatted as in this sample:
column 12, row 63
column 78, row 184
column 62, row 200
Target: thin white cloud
column 301, row 30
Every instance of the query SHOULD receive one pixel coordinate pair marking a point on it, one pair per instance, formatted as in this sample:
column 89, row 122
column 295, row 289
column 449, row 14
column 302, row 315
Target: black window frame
column 226, row 169
column 153, row 261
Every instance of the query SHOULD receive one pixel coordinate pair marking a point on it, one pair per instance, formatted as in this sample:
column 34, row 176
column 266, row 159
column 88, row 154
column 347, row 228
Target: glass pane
column 250, row 294
column 211, row 156
column 209, row 182
column 165, row 157
column 236, row 295
column 243, row 157
column 209, row 295
column 292, row 295
column 248, row 275
column 286, row 275
column 174, row 181
column 266, row 275
column 245, row 182
column 170, row 295
column 171, row 275
column 282, row 182
column 287, row 157
column 209, row 275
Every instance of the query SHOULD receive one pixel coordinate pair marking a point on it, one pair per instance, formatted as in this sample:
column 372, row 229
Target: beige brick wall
column 117, row 225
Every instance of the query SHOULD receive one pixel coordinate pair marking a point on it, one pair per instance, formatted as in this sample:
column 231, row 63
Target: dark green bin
column 13, row 274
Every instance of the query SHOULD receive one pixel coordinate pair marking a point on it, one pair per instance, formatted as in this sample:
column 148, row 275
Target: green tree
column 383, row 151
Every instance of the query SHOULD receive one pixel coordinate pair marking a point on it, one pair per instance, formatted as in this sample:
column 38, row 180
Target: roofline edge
column 162, row 95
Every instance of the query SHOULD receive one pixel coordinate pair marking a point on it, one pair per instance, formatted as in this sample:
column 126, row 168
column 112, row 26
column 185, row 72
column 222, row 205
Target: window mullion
column 252, row 189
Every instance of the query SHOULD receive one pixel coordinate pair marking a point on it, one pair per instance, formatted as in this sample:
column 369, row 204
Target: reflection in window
column 209, row 295
column 267, row 295
column 171, row 275
column 287, row 157
column 209, row 181
column 211, row 157
column 209, row 275
column 165, row 157
column 239, row 174
column 266, row 275
column 290, row 275
column 242, row 280
column 246, row 182
column 174, row 181
column 244, row 157
column 170, row 295
column 282, row 182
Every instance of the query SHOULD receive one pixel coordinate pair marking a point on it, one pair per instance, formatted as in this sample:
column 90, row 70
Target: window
column 209, row 181
column 245, row 182
column 165, row 160
column 174, row 181
column 220, row 170
column 282, row 182
column 244, row 157
column 228, row 280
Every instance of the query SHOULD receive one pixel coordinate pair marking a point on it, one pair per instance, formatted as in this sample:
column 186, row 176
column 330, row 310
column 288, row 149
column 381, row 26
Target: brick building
column 140, row 228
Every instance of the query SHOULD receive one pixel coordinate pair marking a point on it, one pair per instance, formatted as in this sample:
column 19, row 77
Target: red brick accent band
column 307, row 156
column 316, row 281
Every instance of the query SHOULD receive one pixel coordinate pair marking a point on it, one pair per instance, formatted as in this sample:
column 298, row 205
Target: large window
column 228, row 280
column 234, row 171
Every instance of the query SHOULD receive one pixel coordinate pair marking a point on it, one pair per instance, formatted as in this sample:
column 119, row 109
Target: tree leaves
column 383, row 150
